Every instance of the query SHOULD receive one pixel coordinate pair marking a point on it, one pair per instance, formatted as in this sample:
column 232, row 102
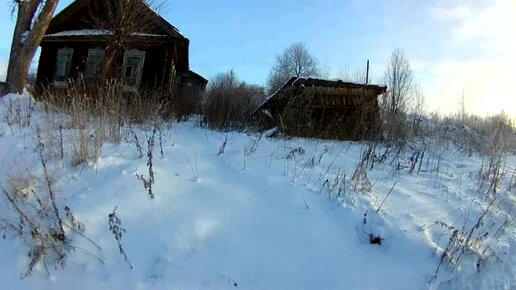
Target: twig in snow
column 195, row 171
column 380, row 206
column 115, row 226
column 223, row 146
column 306, row 204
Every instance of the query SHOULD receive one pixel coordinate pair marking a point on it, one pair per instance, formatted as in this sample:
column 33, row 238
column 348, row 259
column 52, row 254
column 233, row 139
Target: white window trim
column 92, row 51
column 133, row 52
column 63, row 84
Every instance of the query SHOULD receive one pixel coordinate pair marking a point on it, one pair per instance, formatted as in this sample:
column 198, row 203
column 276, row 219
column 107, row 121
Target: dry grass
column 70, row 125
column 96, row 115
column 35, row 219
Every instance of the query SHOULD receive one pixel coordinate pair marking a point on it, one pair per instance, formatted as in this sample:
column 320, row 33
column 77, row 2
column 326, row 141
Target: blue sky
column 454, row 46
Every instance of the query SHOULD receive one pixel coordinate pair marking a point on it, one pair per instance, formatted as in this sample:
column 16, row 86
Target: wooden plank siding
column 156, row 68
column 323, row 108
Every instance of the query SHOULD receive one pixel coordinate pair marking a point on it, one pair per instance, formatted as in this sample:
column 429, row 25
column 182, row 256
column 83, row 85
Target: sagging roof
column 313, row 82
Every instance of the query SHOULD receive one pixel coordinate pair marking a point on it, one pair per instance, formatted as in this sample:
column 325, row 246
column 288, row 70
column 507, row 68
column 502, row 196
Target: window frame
column 63, row 83
column 128, row 54
column 95, row 74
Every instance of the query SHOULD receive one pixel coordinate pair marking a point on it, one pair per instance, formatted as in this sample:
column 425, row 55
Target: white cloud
column 486, row 77
column 486, row 84
column 492, row 28
column 454, row 13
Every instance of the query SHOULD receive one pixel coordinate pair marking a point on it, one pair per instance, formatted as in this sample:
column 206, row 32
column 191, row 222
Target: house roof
column 92, row 32
column 76, row 8
column 312, row 82
column 191, row 74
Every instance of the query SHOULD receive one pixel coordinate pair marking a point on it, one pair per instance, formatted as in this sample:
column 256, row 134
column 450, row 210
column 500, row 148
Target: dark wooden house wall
column 156, row 68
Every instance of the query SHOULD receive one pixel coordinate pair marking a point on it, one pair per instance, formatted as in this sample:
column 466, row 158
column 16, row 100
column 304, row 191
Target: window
column 132, row 70
column 93, row 63
column 64, row 60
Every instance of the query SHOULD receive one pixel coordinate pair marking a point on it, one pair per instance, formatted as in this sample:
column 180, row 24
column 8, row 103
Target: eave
column 105, row 38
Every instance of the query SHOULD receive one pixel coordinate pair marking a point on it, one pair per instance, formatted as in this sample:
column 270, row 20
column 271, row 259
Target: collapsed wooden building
column 309, row 107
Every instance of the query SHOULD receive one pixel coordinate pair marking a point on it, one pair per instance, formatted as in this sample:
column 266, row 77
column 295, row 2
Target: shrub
column 229, row 103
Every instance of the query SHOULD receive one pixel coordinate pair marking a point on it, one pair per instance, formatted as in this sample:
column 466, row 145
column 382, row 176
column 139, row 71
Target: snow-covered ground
column 262, row 214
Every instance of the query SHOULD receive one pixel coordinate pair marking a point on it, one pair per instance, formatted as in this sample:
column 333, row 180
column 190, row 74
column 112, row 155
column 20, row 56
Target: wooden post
column 367, row 73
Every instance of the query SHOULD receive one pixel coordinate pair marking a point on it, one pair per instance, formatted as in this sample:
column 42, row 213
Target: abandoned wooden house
column 310, row 107
column 73, row 48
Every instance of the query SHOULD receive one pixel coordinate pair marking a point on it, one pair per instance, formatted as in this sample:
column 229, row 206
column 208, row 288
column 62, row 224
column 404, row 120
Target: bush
column 184, row 104
column 229, row 103
column 488, row 135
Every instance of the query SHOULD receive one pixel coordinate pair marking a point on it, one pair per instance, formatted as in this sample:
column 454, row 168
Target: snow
column 3, row 71
column 24, row 36
column 80, row 32
column 257, row 216
column 93, row 32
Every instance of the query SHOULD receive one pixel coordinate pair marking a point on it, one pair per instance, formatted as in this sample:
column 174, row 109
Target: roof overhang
column 77, row 5
column 102, row 36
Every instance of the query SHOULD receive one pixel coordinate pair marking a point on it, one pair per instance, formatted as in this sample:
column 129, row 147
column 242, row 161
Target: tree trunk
column 106, row 65
column 27, row 36
column 23, row 24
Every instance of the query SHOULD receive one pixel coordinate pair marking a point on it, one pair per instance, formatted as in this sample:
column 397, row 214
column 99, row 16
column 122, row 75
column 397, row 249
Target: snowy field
column 238, row 211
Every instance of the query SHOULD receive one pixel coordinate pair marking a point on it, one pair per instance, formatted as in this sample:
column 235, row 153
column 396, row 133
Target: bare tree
column 295, row 61
column 418, row 106
column 33, row 18
column 400, row 80
column 402, row 96
column 124, row 22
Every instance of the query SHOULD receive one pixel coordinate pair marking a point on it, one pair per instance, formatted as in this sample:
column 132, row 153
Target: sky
column 456, row 47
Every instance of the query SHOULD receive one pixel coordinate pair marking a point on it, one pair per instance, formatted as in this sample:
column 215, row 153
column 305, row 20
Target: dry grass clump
column 478, row 237
column 94, row 115
column 18, row 112
column 36, row 218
